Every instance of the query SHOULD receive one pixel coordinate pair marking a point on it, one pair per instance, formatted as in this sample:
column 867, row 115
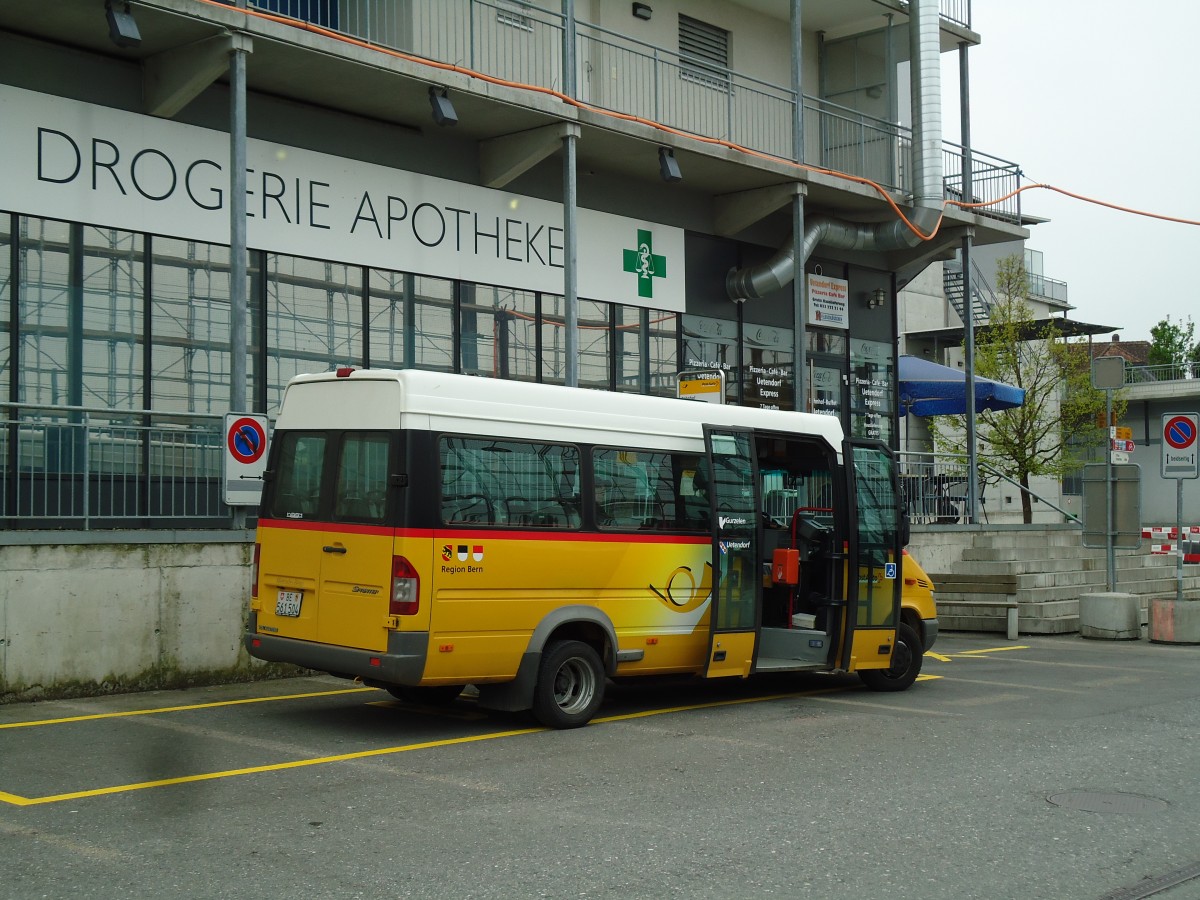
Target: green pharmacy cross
column 645, row 264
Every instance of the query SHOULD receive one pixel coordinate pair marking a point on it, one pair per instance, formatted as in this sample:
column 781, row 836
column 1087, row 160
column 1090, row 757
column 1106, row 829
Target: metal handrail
column 935, row 487
column 1184, row 371
column 1071, row 517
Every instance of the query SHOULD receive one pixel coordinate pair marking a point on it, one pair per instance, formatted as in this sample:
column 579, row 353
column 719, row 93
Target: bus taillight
column 254, row 574
column 406, row 588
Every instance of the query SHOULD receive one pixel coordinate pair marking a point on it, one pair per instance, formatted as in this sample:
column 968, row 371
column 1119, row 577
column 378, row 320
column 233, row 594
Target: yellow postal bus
column 422, row 532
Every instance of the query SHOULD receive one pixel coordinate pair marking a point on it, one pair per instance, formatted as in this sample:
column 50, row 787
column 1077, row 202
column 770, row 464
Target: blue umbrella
column 929, row 389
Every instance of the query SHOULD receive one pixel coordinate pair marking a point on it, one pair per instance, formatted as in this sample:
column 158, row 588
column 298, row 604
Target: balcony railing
column 1048, row 289
column 1152, row 374
column 522, row 43
column 83, row 468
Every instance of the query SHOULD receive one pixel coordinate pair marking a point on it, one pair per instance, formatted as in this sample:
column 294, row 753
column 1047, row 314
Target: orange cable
column 579, row 104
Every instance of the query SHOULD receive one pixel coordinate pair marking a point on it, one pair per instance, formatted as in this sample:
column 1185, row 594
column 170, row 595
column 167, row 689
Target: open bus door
column 733, row 496
column 872, row 573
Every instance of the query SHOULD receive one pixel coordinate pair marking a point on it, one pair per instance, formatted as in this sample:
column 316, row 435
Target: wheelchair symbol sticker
column 889, row 570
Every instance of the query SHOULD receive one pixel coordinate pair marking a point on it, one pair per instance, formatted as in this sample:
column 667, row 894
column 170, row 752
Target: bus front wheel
column 906, row 664
column 570, row 685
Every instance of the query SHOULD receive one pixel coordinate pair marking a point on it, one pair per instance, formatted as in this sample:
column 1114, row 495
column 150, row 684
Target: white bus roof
column 417, row 399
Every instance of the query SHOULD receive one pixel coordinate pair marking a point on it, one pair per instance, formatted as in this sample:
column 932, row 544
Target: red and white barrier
column 1166, row 537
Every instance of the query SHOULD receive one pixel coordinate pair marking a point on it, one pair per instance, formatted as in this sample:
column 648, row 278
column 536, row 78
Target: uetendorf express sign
column 77, row 161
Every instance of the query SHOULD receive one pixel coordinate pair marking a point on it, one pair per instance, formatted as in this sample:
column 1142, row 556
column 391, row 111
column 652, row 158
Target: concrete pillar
column 1110, row 616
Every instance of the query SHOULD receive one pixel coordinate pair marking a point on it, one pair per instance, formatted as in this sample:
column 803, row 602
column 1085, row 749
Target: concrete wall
column 90, row 618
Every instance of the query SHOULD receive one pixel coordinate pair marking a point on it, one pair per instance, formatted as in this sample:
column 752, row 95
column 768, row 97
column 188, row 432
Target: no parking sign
column 245, row 458
column 1179, row 454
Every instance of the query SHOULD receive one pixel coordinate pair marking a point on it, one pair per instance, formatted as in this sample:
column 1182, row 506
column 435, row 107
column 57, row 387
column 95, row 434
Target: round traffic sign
column 1180, row 432
column 246, row 440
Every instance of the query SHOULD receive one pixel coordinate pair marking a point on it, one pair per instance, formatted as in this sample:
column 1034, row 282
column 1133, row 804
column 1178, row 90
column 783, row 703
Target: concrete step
column 1009, row 583
column 1051, row 609
column 1003, row 554
column 1051, row 625
column 1017, row 567
column 974, row 621
column 1059, row 538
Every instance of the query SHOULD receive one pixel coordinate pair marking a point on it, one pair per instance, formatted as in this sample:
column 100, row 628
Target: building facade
column 590, row 193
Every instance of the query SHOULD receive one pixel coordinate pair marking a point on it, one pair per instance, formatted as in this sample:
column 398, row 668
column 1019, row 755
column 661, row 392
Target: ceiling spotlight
column 668, row 165
column 443, row 109
column 122, row 29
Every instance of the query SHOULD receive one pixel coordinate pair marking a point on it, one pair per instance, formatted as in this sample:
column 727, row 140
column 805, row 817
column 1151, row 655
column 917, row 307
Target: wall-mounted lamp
column 122, row 29
column 668, row 165
column 876, row 298
column 642, row 11
column 443, row 109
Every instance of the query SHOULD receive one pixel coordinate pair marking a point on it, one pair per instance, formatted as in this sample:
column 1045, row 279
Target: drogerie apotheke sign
column 79, row 162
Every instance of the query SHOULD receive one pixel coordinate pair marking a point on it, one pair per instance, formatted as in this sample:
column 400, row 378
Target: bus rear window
column 296, row 488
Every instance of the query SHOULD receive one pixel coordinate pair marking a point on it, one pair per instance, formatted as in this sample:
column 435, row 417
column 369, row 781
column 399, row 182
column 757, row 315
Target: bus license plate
column 288, row 603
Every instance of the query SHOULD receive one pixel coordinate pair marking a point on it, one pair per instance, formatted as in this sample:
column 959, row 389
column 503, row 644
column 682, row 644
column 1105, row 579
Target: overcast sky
column 1099, row 98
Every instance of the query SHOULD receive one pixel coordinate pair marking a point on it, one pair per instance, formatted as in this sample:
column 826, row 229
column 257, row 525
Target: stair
column 983, row 298
column 1045, row 573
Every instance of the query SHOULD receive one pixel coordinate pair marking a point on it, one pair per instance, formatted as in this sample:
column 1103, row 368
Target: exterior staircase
column 1045, row 573
column 983, row 298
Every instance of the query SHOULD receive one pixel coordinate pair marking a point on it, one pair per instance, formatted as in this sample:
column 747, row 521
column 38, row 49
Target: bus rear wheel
column 429, row 695
column 570, row 685
column 906, row 664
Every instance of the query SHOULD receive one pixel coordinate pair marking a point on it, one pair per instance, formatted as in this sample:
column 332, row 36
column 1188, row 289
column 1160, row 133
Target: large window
column 189, row 322
column 502, row 482
column 432, row 324
column 314, row 319
column 6, row 288
column 498, row 332
column 120, row 322
column 595, row 344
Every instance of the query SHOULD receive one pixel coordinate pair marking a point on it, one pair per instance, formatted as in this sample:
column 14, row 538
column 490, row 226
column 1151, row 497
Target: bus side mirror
column 905, row 529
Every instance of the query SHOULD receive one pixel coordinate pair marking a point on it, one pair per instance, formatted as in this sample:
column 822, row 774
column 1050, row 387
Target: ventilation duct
column 757, row 281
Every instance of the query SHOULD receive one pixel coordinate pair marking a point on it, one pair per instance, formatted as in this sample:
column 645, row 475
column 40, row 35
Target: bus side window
column 694, row 514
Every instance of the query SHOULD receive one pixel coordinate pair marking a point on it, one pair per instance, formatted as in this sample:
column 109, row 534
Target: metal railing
column 522, row 43
column 1048, row 288
column 1150, row 374
column 624, row 75
column 935, row 488
column 84, row 468
column 992, row 178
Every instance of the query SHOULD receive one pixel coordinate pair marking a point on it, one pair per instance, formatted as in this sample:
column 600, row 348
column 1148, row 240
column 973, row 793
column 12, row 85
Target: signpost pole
column 1109, row 547
column 1108, row 374
column 1179, row 540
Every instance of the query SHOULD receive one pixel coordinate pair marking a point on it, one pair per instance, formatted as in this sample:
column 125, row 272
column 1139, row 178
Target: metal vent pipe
column 753, row 282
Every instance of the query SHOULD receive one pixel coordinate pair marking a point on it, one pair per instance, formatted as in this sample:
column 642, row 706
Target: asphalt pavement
column 1047, row 767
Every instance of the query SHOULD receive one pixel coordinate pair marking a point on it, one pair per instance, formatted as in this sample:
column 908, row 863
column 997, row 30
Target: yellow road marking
column 254, row 770
column 167, row 709
column 17, row 800
column 992, row 650
column 937, row 656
